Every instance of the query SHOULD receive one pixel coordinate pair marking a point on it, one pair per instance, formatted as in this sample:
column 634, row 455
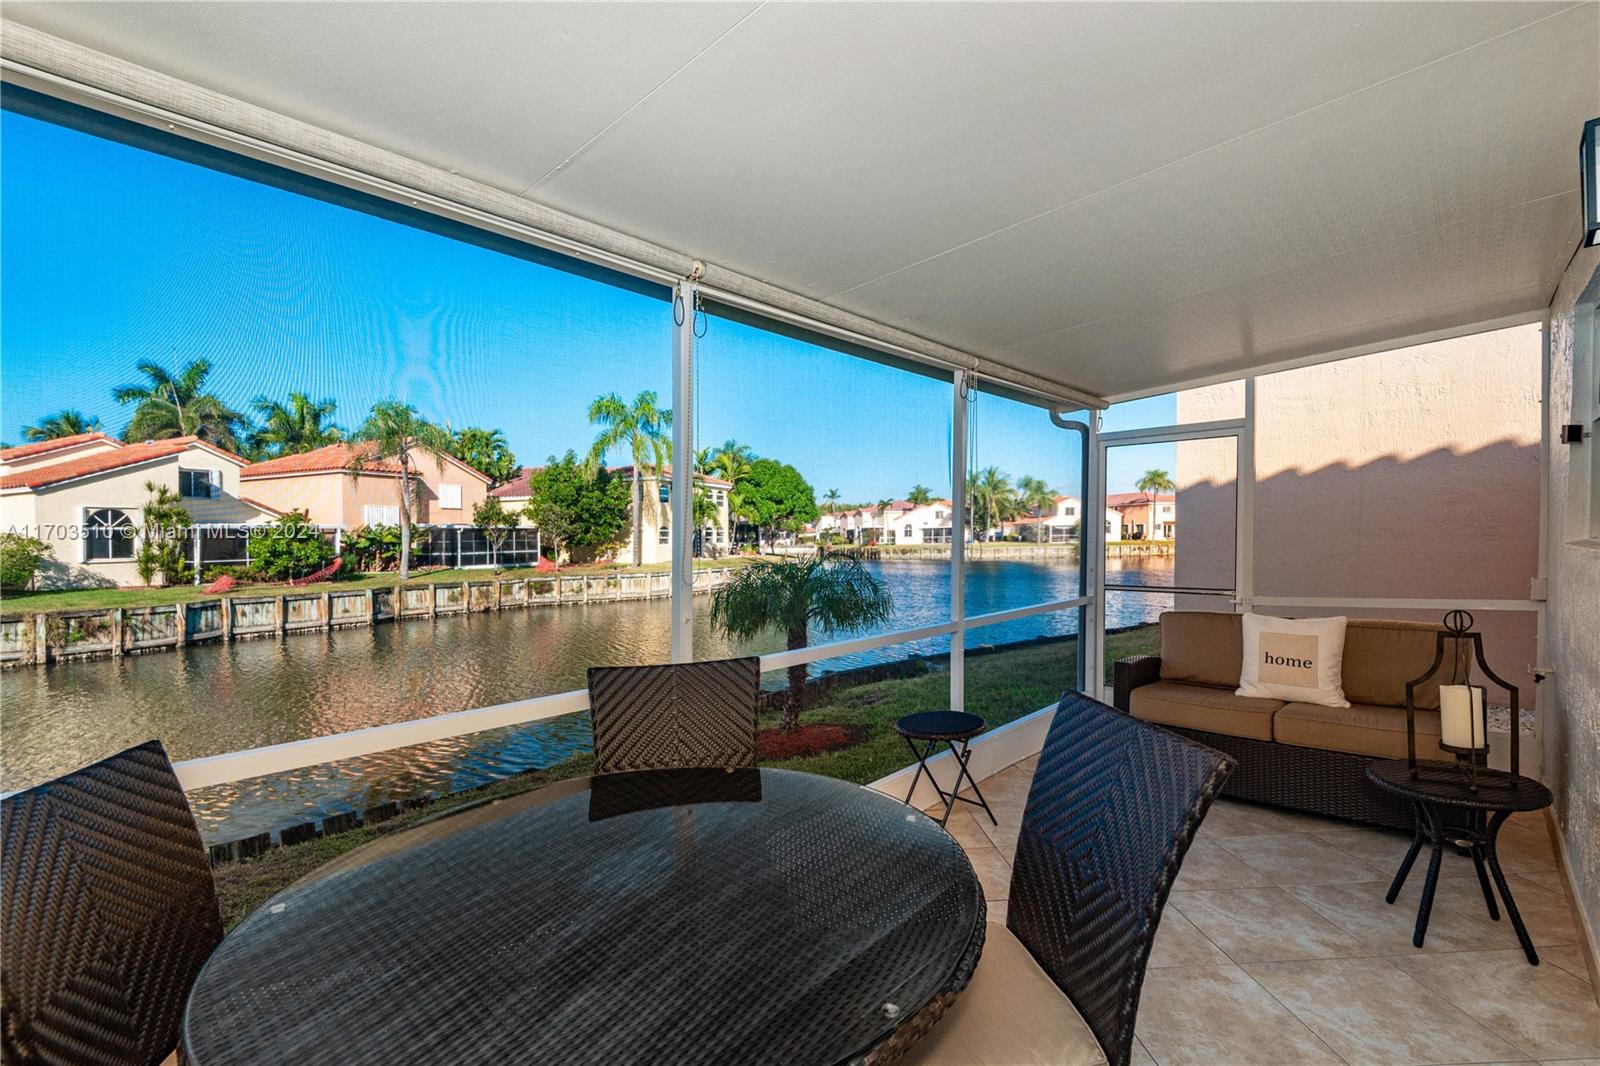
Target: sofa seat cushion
column 1010, row 1014
column 1213, row 710
column 1361, row 729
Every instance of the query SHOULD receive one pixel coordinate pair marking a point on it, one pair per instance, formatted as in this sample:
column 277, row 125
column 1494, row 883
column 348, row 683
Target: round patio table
column 684, row 916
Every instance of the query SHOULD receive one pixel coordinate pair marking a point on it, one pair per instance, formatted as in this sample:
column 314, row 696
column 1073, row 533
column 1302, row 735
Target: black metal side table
column 955, row 729
column 1436, row 787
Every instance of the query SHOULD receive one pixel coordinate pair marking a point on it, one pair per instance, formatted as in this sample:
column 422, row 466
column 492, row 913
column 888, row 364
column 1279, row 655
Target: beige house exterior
column 334, row 487
column 87, row 503
column 1409, row 474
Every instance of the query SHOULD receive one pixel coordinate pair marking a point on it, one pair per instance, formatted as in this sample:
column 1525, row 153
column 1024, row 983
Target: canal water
column 209, row 699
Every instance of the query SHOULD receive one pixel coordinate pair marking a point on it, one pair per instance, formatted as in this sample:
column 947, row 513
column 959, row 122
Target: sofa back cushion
column 1204, row 648
column 1381, row 655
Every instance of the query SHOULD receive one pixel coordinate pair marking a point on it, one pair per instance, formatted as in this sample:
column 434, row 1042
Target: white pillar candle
column 1461, row 718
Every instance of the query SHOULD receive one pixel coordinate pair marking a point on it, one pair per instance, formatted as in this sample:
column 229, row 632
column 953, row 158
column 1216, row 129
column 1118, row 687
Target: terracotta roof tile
column 44, row 447
column 129, row 455
column 330, row 459
column 517, row 487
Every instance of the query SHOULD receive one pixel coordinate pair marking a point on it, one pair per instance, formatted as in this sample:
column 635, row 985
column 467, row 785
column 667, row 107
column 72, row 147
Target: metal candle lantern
column 1465, row 699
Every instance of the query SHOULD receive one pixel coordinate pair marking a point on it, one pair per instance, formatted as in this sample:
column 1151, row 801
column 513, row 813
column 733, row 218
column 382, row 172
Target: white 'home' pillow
column 1300, row 660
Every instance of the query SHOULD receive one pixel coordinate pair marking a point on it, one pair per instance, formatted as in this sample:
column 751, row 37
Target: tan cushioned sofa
column 1293, row 754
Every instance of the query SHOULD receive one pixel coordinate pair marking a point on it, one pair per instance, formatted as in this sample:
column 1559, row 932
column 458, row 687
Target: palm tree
column 883, row 520
column 830, row 501
column 64, row 423
column 395, row 431
column 827, row 592
column 1034, row 496
column 731, row 462
column 641, row 429
column 301, row 425
column 176, row 405
column 1152, row 483
column 992, row 499
column 486, row 451
column 919, row 495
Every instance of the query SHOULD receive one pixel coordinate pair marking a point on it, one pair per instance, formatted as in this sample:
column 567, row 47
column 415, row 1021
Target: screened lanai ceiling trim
column 37, row 60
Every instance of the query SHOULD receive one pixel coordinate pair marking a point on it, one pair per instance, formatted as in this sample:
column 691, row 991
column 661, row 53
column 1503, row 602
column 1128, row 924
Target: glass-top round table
column 685, row 916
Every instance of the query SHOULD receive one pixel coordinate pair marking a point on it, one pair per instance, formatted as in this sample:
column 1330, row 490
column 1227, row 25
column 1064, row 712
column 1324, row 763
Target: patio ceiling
column 1122, row 197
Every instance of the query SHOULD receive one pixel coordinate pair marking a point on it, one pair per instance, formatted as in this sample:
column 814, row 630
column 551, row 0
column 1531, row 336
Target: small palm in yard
column 828, row 593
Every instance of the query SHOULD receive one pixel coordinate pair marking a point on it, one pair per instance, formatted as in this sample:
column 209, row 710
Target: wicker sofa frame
column 1314, row 780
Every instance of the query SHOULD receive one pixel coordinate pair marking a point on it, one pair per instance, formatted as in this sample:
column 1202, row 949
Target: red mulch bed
column 812, row 739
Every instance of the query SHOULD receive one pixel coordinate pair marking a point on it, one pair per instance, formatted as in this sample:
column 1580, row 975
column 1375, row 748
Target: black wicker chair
column 109, row 913
column 1114, row 805
column 682, row 715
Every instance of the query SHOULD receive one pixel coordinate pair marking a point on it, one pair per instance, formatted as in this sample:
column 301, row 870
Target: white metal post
column 682, row 542
column 1092, row 640
column 958, row 542
column 198, row 535
column 1244, row 532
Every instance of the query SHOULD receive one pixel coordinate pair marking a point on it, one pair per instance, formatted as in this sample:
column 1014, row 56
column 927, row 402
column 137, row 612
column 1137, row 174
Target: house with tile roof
column 85, row 497
column 55, row 450
column 342, row 486
column 1140, row 509
column 1059, row 525
column 715, row 539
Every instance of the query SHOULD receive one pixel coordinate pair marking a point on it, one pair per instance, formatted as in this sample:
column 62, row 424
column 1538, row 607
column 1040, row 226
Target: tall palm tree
column 830, row 501
column 883, row 519
column 1152, row 483
column 1034, row 496
column 641, row 429
column 828, row 593
column 486, row 451
column 301, row 425
column 919, row 495
column 992, row 499
column 731, row 462
column 177, row 405
column 395, row 431
column 64, row 423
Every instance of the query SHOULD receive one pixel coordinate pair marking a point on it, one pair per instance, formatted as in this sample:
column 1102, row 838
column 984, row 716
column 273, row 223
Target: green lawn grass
column 1002, row 686
column 17, row 603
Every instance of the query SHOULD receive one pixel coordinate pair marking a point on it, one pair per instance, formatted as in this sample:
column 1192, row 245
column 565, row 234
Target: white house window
column 939, row 516
column 378, row 515
column 664, row 536
column 1069, row 511
column 449, row 496
column 199, row 484
column 908, row 529
column 108, row 535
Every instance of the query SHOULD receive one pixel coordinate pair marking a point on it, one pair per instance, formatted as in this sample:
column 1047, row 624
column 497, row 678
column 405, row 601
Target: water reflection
column 217, row 698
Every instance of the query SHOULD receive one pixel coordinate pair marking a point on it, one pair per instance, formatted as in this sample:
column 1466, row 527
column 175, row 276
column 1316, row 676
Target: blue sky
column 110, row 254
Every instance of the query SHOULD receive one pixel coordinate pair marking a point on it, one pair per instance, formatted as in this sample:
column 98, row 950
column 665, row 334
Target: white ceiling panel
column 1120, row 196
column 501, row 92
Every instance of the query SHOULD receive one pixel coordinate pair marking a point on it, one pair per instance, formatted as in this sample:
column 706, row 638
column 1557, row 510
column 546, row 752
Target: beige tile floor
column 1276, row 946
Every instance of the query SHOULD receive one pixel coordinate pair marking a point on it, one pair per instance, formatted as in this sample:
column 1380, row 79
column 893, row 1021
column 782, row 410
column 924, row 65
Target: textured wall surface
column 1571, row 719
column 1406, row 474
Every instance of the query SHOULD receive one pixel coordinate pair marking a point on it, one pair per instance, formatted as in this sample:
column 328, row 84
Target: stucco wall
column 320, row 496
column 1570, row 725
column 1406, row 474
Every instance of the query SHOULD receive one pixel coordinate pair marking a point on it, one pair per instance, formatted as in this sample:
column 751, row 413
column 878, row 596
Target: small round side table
column 931, row 728
column 1435, row 787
